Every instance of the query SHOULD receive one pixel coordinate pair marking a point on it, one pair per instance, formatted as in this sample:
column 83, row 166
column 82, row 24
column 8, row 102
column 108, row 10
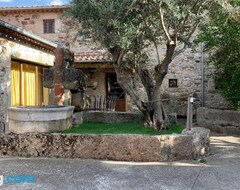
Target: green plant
column 202, row 161
column 222, row 38
column 238, row 106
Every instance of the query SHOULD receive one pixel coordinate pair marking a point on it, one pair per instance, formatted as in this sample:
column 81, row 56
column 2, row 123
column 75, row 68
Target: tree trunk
column 153, row 111
column 154, row 114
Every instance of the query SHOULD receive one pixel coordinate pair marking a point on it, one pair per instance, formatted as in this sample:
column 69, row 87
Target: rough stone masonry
column 188, row 145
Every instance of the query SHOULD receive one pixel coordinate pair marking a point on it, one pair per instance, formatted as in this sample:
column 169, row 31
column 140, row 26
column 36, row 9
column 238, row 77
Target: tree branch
column 124, row 83
column 161, row 69
column 195, row 25
column 176, row 53
column 122, row 79
column 158, row 57
column 120, row 58
column 185, row 19
column 163, row 25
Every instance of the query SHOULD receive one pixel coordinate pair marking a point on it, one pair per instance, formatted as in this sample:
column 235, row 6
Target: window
column 49, row 26
column 26, row 85
column 172, row 83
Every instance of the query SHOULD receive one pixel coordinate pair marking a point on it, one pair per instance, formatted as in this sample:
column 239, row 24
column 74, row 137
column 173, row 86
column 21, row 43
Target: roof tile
column 92, row 56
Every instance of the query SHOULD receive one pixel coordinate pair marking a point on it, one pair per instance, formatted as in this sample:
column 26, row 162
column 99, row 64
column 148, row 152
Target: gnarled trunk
column 153, row 111
column 154, row 114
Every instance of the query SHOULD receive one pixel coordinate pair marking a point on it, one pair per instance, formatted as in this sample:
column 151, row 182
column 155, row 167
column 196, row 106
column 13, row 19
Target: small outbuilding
column 23, row 56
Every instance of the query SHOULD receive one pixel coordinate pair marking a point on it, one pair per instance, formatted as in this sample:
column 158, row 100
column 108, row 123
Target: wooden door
column 114, row 91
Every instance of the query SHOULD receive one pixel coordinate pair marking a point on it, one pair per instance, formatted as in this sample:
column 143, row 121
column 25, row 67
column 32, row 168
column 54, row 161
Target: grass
column 120, row 128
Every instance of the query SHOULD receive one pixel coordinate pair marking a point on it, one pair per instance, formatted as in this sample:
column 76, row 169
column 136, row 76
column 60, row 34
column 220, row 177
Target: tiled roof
column 12, row 32
column 26, row 8
column 92, row 57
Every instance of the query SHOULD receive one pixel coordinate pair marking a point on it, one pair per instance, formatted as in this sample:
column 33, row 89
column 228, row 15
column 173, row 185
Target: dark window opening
column 49, row 26
column 172, row 83
column 113, row 88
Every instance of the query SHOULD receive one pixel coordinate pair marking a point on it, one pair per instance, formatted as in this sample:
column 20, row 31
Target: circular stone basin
column 25, row 119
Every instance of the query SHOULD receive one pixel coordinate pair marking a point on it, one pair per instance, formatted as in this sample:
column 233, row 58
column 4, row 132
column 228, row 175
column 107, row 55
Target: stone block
column 77, row 118
column 208, row 116
column 31, row 22
column 74, row 79
column 24, row 22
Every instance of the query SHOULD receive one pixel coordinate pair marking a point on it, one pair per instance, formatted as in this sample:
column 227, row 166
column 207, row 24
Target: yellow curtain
column 45, row 96
column 28, row 85
column 44, row 92
column 39, row 89
column 15, row 84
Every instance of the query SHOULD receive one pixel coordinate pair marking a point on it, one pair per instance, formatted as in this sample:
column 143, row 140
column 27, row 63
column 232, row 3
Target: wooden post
column 190, row 113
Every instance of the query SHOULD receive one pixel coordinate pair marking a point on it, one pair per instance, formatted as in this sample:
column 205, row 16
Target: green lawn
column 120, row 128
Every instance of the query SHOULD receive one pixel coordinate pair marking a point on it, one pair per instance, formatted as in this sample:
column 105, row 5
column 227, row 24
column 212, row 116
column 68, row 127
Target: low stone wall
column 112, row 117
column 188, row 145
column 223, row 121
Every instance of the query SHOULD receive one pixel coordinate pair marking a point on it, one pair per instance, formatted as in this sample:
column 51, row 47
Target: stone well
column 24, row 119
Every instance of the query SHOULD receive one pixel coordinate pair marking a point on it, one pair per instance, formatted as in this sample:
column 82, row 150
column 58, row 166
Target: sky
column 32, row 2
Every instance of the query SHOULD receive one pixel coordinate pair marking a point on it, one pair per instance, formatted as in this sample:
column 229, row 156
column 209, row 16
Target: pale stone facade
column 185, row 70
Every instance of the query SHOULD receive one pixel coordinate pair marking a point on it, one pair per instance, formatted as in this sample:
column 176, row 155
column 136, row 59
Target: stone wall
column 32, row 21
column 112, row 117
column 188, row 145
column 187, row 70
column 5, row 88
column 223, row 121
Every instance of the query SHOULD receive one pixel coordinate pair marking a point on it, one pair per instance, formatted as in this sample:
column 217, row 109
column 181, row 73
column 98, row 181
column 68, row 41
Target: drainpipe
column 58, row 77
column 202, row 82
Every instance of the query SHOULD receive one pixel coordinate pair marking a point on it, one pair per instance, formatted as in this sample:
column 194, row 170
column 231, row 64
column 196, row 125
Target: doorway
column 114, row 91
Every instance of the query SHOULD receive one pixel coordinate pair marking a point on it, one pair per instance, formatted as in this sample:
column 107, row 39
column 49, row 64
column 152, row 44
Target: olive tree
column 128, row 28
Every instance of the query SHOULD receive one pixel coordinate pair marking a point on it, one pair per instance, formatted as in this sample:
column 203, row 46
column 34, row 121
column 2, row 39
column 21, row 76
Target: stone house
column 45, row 21
column 185, row 72
column 22, row 59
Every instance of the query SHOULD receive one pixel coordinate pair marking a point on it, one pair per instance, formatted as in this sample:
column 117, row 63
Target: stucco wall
column 189, row 145
column 33, row 55
column 96, row 83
